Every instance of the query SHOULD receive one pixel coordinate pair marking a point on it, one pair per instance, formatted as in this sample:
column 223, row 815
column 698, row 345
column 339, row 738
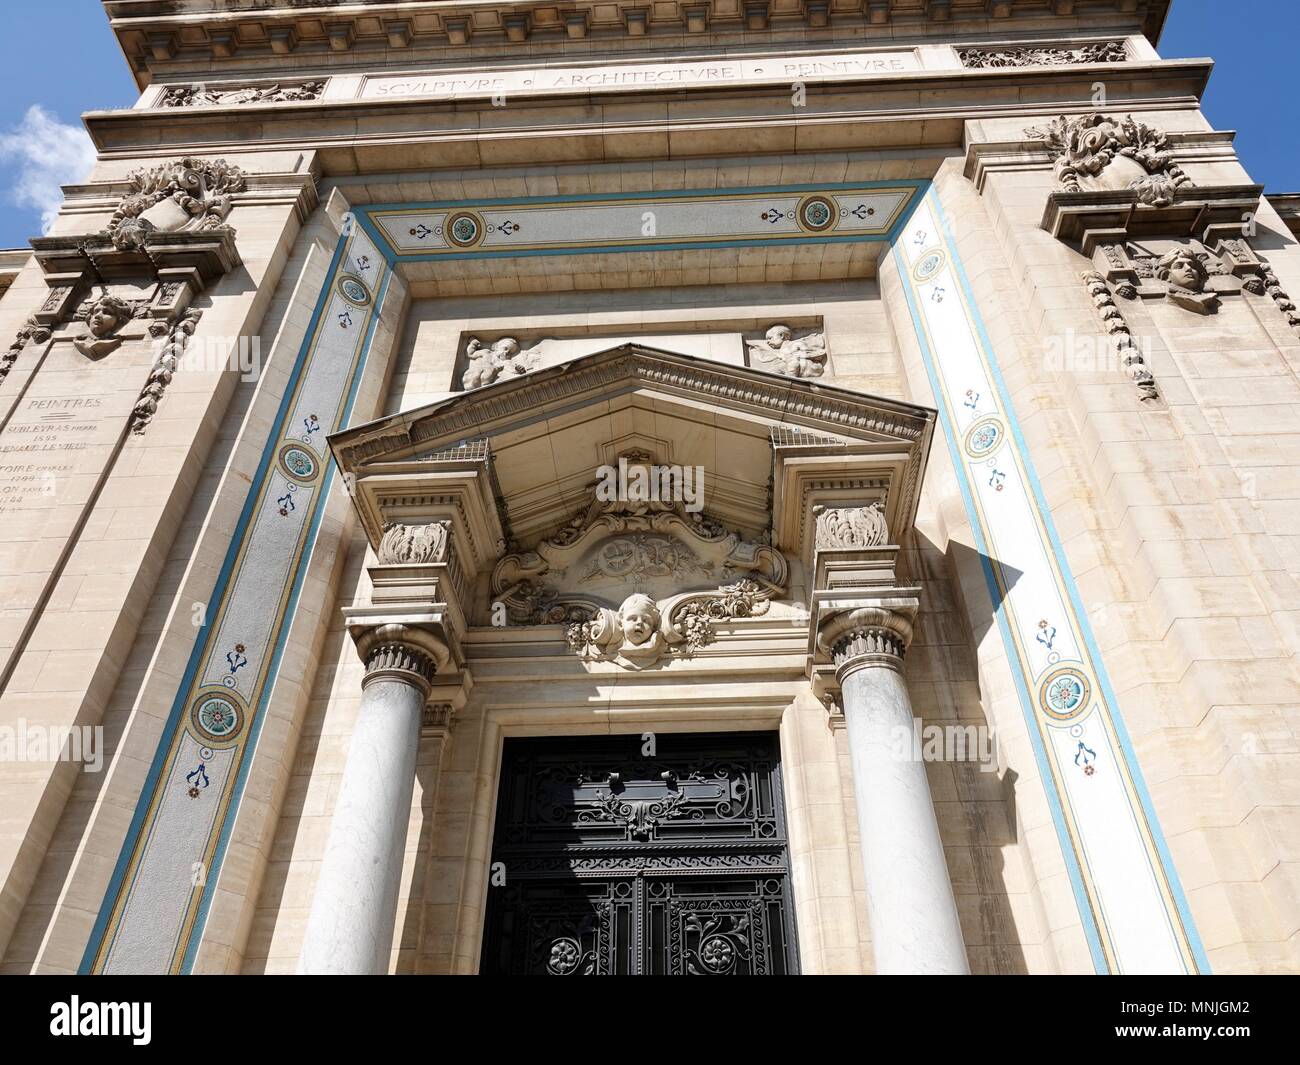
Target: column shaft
column 350, row 928
column 914, row 925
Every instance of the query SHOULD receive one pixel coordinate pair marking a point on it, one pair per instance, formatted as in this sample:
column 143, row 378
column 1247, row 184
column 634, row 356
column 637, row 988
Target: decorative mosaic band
column 1128, row 893
column 163, row 884
column 679, row 219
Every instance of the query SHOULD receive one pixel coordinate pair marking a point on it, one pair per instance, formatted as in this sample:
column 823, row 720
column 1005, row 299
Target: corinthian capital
column 867, row 633
column 401, row 652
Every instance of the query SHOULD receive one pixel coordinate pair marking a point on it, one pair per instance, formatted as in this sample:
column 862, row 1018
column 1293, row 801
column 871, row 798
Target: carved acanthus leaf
column 852, row 526
column 414, row 544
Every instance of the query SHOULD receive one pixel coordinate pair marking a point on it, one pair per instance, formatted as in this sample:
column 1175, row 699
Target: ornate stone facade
column 357, row 431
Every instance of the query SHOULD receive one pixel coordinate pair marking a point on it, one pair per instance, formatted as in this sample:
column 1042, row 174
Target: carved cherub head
column 106, row 315
column 778, row 335
column 638, row 619
column 1182, row 268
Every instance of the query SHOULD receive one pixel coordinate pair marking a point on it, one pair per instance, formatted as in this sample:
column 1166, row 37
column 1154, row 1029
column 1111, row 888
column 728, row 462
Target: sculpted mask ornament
column 187, row 194
column 779, row 350
column 498, row 361
column 1098, row 153
column 104, row 317
column 413, row 544
column 1185, row 274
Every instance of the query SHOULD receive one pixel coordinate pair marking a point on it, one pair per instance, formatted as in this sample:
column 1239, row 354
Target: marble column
column 351, row 924
column 913, row 917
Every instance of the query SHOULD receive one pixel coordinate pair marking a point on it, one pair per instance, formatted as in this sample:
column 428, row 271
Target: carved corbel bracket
column 1093, row 218
column 844, row 497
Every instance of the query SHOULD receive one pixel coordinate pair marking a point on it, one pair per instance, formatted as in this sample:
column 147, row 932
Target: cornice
column 156, row 35
column 1287, row 205
column 490, row 409
column 909, row 110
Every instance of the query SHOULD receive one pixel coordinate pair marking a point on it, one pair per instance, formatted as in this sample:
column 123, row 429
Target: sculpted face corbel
column 104, row 317
column 1186, row 277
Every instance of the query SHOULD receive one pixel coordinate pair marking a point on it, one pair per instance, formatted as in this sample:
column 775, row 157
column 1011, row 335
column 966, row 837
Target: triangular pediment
column 541, row 437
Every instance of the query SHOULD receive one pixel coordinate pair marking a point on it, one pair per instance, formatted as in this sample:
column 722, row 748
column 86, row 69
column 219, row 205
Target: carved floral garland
column 1115, row 325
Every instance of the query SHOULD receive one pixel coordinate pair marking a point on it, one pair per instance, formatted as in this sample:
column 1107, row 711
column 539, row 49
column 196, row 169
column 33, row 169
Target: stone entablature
column 155, row 35
column 495, row 80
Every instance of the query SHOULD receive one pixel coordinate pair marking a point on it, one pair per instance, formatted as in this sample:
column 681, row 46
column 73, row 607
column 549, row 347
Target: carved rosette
column 1095, row 152
column 414, row 544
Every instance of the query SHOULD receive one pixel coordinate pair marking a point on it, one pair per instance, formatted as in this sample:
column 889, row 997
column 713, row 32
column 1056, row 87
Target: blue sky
column 1253, row 90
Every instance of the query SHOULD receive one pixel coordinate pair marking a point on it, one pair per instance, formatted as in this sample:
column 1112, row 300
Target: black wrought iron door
column 609, row 861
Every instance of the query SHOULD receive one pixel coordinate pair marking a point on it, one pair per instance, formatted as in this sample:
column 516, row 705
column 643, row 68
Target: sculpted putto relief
column 635, row 581
column 780, row 351
column 495, row 362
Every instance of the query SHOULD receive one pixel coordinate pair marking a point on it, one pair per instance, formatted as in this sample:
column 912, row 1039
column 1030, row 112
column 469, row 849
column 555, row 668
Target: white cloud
column 46, row 153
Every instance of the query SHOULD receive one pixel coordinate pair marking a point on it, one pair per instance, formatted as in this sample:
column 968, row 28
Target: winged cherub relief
column 493, row 362
column 805, row 357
